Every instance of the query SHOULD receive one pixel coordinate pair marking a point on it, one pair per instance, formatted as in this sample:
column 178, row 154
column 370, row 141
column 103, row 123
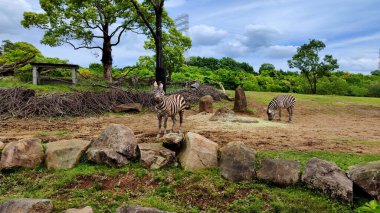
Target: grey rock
column 240, row 104
column 195, row 85
column 26, row 153
column 65, row 154
column 138, row 209
column 279, row 171
column 26, row 205
column 237, row 161
column 130, row 107
column 154, row 156
column 328, row 178
column 173, row 141
column 115, row 146
column 205, row 104
column 367, row 177
column 86, row 209
column 198, row 153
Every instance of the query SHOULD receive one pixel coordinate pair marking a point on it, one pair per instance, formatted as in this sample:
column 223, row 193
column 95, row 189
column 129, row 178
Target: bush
column 370, row 207
column 374, row 89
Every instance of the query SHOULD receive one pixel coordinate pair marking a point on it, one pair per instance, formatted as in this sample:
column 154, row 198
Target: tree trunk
column 107, row 56
column 160, row 65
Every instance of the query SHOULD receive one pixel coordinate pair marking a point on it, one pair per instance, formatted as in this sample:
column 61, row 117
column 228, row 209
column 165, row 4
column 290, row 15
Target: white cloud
column 206, row 35
column 279, row 51
column 359, row 63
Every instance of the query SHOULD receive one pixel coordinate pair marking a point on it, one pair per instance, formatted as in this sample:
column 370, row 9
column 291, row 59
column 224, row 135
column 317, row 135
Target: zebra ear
column 161, row 86
column 155, row 84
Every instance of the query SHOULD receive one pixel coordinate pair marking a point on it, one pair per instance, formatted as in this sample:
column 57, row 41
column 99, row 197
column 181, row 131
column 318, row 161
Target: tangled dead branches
column 24, row 103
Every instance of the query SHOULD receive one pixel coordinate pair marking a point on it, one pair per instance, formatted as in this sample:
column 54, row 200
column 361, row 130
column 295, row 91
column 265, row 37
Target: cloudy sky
column 254, row 31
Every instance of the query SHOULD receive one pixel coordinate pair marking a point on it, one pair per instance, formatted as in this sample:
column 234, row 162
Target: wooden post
column 36, row 76
column 74, row 75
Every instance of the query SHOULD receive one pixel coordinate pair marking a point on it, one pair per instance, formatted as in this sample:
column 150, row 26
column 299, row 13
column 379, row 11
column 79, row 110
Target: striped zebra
column 279, row 102
column 168, row 106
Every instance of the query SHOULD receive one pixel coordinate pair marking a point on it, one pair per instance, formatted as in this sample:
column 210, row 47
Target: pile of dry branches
column 24, row 103
column 193, row 95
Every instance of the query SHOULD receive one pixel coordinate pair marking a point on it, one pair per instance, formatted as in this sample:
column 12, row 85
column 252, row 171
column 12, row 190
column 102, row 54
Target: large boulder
column 65, row 154
column 86, row 209
column 115, row 146
column 279, row 171
column 367, row 177
column 173, row 141
column 26, row 153
column 26, row 205
column 154, row 156
column 130, row 107
column 205, row 104
column 138, row 209
column 198, row 153
column 328, row 178
column 240, row 104
column 237, row 162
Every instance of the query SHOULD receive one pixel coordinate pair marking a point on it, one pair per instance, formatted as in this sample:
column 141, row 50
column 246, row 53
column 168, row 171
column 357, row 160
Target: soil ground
column 339, row 128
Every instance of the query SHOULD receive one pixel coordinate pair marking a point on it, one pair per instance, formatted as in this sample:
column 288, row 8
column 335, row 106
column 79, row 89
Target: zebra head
column 270, row 113
column 158, row 92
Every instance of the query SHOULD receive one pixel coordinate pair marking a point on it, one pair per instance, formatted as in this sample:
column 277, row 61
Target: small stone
column 86, row 209
column 130, row 107
column 205, row 104
column 173, row 141
column 138, row 209
column 154, row 156
column 26, row 205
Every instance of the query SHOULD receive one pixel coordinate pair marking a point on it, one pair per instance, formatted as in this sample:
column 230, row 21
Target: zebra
column 168, row 106
column 279, row 102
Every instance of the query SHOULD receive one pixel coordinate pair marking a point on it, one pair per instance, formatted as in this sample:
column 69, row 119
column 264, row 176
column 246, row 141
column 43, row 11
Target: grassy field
column 172, row 189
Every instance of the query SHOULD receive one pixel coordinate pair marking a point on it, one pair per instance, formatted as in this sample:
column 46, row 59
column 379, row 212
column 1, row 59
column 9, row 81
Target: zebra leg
column 159, row 124
column 165, row 123
column 180, row 120
column 279, row 113
column 173, row 119
column 290, row 112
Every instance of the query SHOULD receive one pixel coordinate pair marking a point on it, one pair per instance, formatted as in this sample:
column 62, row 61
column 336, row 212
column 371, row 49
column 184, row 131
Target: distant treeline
column 232, row 74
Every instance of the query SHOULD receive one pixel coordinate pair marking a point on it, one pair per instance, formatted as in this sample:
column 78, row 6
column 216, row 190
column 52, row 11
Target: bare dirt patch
column 353, row 128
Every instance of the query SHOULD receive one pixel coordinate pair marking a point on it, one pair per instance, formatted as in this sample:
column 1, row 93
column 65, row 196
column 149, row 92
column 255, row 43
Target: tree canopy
column 84, row 24
column 174, row 46
column 308, row 62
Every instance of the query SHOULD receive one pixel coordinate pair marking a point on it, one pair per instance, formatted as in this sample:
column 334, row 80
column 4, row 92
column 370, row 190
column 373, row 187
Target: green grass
column 171, row 189
column 265, row 97
column 343, row 160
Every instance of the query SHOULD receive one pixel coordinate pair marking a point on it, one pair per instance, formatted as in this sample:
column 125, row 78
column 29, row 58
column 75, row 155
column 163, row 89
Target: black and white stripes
column 168, row 106
column 281, row 102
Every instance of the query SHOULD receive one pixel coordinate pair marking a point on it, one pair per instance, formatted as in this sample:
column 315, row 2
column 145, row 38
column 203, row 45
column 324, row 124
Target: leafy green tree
column 15, row 56
column 84, row 24
column 307, row 61
column 376, row 72
column 267, row 67
column 174, row 46
column 152, row 15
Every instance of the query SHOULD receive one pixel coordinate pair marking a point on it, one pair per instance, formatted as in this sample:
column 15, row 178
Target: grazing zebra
column 279, row 102
column 168, row 106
